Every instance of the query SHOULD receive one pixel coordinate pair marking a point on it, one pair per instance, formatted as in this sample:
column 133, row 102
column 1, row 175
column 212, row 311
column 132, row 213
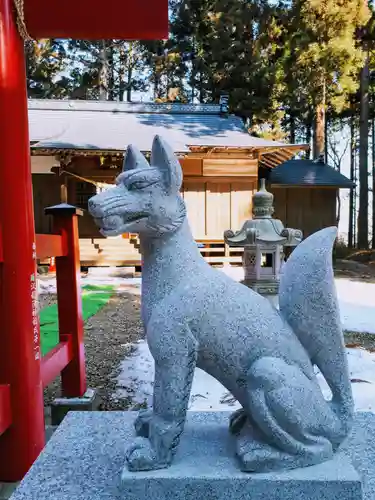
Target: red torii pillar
column 19, row 327
column 19, row 335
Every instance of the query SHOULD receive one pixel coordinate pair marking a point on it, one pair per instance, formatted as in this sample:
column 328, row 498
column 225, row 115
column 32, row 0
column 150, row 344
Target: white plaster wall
column 42, row 164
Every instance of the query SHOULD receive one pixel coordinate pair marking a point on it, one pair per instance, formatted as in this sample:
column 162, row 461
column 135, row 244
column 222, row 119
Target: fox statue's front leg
column 175, row 352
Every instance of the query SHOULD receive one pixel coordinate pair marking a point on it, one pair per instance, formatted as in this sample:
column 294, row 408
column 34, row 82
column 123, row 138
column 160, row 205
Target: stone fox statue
column 196, row 316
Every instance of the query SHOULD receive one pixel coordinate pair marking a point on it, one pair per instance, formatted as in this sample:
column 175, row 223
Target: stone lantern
column 264, row 240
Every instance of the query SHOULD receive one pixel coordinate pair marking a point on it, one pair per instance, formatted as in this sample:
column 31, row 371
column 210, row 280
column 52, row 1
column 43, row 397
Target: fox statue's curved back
column 196, row 316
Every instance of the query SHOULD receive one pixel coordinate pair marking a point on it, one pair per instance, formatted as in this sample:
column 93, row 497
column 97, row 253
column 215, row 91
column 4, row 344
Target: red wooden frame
column 49, row 245
column 1, row 247
column 67, row 358
column 56, row 360
column 22, row 372
column 5, row 408
column 125, row 19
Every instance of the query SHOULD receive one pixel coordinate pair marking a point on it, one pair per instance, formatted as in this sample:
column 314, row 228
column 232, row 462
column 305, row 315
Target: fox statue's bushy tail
column 308, row 302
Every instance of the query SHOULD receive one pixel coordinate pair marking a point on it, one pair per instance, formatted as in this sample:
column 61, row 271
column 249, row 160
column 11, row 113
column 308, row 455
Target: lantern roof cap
column 262, row 202
column 262, row 229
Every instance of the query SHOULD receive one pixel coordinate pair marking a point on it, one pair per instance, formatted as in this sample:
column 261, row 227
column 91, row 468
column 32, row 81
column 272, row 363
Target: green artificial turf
column 93, row 299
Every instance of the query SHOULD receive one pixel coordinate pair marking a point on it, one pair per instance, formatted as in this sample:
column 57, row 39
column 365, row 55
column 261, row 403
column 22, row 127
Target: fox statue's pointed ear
column 134, row 159
column 163, row 158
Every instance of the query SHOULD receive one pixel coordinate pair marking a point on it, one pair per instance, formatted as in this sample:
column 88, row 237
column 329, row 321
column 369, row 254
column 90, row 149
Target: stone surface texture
column 195, row 315
column 261, row 236
column 84, row 460
column 60, row 407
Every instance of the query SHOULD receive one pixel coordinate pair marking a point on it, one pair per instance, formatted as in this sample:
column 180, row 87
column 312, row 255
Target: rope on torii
column 20, row 19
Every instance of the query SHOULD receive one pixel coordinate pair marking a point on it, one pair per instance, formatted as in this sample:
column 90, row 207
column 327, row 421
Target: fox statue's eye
column 139, row 185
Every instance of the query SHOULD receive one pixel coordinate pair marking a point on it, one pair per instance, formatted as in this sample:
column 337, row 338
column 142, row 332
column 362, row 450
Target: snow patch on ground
column 48, row 285
column 137, row 374
column 362, row 375
column 356, row 300
column 357, row 305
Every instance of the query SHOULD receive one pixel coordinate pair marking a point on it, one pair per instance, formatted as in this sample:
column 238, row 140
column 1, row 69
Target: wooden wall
column 218, row 194
column 308, row 209
column 79, row 197
column 46, row 193
column 219, row 167
column 215, row 206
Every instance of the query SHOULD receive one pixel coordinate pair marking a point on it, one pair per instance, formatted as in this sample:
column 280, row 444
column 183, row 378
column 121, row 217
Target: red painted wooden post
column 19, row 328
column 73, row 377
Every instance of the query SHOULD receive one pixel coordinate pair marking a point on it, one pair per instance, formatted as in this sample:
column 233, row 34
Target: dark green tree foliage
column 322, row 59
column 235, row 48
column 106, row 69
column 45, row 62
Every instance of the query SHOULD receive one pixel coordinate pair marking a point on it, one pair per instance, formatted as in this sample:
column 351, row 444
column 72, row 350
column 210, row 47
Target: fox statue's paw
column 142, row 457
column 237, row 420
column 142, row 423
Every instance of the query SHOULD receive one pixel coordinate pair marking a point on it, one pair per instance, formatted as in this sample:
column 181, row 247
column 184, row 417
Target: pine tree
column 45, row 62
column 235, row 50
column 106, row 69
column 366, row 36
column 322, row 58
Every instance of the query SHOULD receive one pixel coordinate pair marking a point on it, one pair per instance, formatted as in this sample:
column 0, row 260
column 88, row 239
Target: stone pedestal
column 85, row 460
column 90, row 401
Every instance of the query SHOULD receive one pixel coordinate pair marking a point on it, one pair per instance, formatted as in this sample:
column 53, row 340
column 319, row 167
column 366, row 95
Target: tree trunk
column 373, row 183
column 363, row 236
column 111, row 73
column 308, row 141
column 201, row 88
column 129, row 84
column 121, row 73
column 103, row 72
column 319, row 144
column 157, row 82
column 326, row 140
column 292, row 125
column 129, row 74
column 352, row 178
column 319, row 128
column 338, row 213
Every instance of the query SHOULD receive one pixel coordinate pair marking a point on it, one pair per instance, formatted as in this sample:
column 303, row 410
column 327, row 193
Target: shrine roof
column 112, row 126
column 308, row 173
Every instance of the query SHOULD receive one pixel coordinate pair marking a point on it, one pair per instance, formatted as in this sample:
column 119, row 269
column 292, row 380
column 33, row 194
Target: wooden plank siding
column 191, row 166
column 214, row 207
column 229, row 166
column 46, row 193
column 194, row 194
column 241, row 203
column 308, row 209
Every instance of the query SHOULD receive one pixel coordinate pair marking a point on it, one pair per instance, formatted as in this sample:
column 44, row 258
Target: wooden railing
column 218, row 252
column 66, row 359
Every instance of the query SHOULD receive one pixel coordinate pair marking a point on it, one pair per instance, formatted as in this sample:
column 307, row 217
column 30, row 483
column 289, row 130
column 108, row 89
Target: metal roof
column 308, row 173
column 112, row 126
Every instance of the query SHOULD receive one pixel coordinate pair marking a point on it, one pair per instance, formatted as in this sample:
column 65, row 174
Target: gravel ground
column 46, row 300
column 356, row 339
column 107, row 338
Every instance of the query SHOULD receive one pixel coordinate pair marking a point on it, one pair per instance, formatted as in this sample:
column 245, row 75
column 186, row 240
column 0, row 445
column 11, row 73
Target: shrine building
column 78, row 146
